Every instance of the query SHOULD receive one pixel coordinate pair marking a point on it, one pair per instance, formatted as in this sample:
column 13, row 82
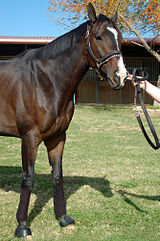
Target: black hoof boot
column 22, row 230
column 66, row 220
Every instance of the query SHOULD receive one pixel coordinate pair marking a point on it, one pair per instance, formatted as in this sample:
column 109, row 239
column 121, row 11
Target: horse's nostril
column 116, row 75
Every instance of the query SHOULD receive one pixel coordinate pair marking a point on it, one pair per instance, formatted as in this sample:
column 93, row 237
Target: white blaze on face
column 122, row 72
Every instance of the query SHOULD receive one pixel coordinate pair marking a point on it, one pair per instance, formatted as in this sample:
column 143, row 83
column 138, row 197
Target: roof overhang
column 130, row 41
column 25, row 40
column 46, row 40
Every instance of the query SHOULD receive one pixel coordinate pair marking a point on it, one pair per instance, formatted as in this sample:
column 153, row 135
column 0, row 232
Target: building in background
column 91, row 88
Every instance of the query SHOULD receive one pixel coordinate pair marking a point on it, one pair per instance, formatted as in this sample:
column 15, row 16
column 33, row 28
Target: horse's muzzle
column 113, row 84
column 116, row 83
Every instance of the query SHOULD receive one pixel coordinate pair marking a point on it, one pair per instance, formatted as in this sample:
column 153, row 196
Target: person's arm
column 151, row 89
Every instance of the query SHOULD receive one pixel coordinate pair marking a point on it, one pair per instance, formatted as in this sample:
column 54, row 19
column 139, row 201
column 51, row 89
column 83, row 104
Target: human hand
column 134, row 83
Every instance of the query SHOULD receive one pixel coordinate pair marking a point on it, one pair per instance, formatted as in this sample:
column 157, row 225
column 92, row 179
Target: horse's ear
column 91, row 12
column 115, row 17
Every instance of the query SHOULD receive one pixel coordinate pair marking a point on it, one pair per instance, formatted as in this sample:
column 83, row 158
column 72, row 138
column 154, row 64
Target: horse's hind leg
column 55, row 150
column 29, row 150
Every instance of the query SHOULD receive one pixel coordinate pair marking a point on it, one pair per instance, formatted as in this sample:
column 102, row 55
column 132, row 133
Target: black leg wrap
column 22, row 230
column 23, row 206
column 66, row 220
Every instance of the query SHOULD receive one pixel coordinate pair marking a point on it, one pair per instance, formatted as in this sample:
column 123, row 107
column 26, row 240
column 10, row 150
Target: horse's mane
column 57, row 46
column 62, row 43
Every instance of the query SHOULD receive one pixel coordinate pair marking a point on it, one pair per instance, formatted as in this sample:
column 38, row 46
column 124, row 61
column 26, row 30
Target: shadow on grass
column 125, row 195
column 11, row 179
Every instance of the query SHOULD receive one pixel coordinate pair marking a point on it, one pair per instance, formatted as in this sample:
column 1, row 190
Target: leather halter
column 104, row 59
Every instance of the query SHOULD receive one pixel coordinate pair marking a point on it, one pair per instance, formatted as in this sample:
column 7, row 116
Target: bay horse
column 36, row 96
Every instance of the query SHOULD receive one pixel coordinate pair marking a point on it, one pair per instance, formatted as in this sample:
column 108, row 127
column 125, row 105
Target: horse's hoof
column 22, row 232
column 66, row 220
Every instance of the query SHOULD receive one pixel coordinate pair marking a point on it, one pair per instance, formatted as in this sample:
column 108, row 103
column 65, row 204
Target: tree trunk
column 144, row 43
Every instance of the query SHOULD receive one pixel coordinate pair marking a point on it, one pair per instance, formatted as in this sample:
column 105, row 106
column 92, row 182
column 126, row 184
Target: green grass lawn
column 111, row 181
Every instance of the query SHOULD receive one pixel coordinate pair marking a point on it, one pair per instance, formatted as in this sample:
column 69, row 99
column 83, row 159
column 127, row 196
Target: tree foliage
column 143, row 14
column 140, row 17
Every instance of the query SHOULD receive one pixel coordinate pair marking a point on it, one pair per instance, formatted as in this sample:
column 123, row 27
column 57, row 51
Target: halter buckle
column 98, row 65
column 87, row 34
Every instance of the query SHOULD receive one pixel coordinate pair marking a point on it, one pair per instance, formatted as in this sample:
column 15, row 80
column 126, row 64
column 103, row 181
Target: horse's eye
column 98, row 38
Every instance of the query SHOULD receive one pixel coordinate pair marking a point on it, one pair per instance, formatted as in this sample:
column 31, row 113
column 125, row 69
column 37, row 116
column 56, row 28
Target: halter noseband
column 103, row 60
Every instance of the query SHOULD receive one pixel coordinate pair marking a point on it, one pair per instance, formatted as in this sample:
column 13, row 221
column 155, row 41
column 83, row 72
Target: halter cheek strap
column 104, row 59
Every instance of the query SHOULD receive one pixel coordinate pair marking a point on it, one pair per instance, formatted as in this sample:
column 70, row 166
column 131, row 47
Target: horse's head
column 103, row 48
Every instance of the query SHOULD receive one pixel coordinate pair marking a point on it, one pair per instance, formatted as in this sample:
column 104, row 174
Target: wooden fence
column 92, row 90
column 101, row 92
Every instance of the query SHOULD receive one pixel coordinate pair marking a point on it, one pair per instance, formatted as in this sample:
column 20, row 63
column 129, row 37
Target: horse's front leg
column 55, row 151
column 29, row 151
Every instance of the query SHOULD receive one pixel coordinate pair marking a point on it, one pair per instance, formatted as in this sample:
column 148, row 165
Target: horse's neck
column 73, row 65
column 77, row 62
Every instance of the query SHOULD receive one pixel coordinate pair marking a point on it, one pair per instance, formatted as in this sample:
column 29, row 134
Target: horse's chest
column 60, row 123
